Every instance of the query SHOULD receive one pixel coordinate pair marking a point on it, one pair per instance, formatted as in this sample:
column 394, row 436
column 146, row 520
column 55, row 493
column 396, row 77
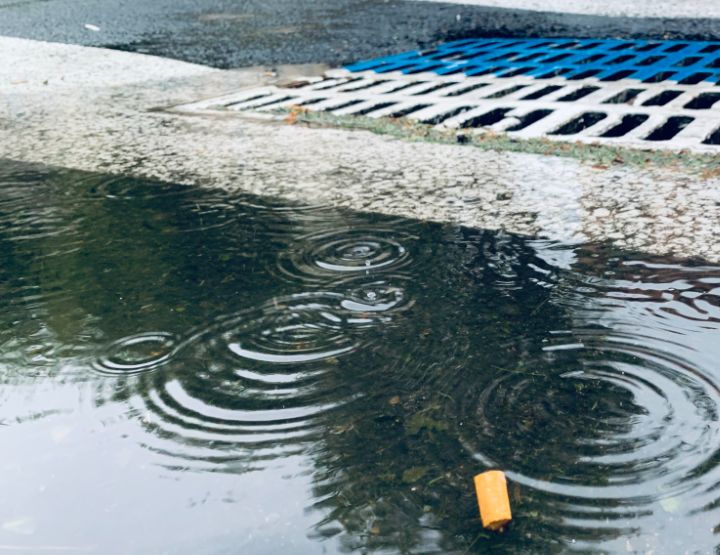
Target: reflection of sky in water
column 200, row 372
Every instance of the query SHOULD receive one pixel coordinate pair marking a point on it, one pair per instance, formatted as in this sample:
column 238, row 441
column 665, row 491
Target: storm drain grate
column 623, row 94
column 687, row 62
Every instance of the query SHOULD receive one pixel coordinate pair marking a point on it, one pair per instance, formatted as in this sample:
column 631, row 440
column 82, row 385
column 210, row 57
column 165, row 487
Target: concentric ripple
column 608, row 418
column 137, row 353
column 258, row 383
column 335, row 254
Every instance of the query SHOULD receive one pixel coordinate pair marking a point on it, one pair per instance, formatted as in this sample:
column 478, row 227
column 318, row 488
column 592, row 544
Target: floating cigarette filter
column 493, row 500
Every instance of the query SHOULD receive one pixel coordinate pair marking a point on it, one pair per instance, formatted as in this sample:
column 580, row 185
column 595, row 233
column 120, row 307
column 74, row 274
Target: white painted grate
column 667, row 115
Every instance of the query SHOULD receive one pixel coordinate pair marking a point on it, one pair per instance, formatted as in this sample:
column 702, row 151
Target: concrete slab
column 96, row 110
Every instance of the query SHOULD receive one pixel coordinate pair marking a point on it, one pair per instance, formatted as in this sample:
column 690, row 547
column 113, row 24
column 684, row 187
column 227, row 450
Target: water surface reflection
column 195, row 371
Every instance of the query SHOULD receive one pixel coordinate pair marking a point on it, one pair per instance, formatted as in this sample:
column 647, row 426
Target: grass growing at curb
column 600, row 156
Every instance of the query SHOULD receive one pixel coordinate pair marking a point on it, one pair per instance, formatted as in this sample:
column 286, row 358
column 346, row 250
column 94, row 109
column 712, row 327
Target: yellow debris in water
column 493, row 500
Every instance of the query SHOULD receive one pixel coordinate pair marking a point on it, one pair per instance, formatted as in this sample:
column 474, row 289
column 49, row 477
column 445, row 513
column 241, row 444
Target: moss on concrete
column 600, row 156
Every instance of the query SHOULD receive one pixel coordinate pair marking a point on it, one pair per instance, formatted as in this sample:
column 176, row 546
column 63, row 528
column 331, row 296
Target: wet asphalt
column 237, row 33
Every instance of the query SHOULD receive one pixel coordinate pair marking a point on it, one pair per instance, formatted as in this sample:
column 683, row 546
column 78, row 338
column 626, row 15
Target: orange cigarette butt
column 493, row 500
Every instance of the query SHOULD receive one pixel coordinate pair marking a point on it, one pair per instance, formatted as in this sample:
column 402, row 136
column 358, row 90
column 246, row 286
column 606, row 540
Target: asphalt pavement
column 242, row 33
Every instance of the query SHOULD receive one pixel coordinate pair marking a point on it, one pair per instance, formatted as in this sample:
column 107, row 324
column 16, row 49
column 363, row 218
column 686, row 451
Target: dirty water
column 187, row 370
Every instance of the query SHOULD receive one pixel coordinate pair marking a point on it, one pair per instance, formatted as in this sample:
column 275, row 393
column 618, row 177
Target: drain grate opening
column 489, row 118
column 506, row 92
column 365, row 86
column 650, row 60
column 660, row 77
column 466, row 90
column 373, row 108
column 713, row 138
column 434, row 88
column 406, row 86
column 704, row 101
column 662, row 98
column 528, row 119
column 270, row 102
column 515, row 72
column 334, row 84
column 627, row 124
column 556, row 73
column 312, row 101
column 625, row 97
column 409, row 110
column 618, row 75
column 342, row 105
column 582, row 122
column 247, row 100
column 669, row 129
column 578, row 94
column 695, row 78
column 447, row 115
column 585, row 74
column 689, row 61
column 542, row 92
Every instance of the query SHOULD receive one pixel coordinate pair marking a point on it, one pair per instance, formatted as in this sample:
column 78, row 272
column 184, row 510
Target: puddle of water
column 194, row 371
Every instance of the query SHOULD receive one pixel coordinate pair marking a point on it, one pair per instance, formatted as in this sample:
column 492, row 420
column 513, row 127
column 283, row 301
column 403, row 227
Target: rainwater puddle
column 194, row 371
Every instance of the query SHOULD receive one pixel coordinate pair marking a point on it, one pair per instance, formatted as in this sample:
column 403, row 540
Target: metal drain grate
column 673, row 113
column 684, row 62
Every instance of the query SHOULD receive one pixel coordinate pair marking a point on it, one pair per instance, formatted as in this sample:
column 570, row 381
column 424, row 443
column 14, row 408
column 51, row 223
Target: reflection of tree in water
column 426, row 354
column 394, row 472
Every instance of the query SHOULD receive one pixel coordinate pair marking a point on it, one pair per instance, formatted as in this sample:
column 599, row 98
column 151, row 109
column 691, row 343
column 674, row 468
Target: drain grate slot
column 528, row 119
column 447, row 115
column 704, row 101
column 435, row 88
column 488, row 118
column 405, row 86
column 542, row 92
column 578, row 94
column 618, row 75
column 669, row 129
column 628, row 123
column 247, row 100
column 662, row 98
column 409, row 110
column 581, row 123
column 312, row 101
column 695, row 78
column 466, row 90
column 625, row 97
column 272, row 102
column 373, row 108
column 342, row 105
column 365, row 86
column 506, row 92
column 713, row 138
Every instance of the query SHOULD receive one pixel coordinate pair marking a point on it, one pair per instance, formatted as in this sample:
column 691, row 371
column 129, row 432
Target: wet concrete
column 233, row 34
column 96, row 110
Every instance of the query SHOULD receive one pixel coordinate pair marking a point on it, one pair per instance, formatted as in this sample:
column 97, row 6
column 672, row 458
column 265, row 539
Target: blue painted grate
column 684, row 62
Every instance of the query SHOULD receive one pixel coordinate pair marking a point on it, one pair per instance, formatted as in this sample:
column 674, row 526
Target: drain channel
column 651, row 94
